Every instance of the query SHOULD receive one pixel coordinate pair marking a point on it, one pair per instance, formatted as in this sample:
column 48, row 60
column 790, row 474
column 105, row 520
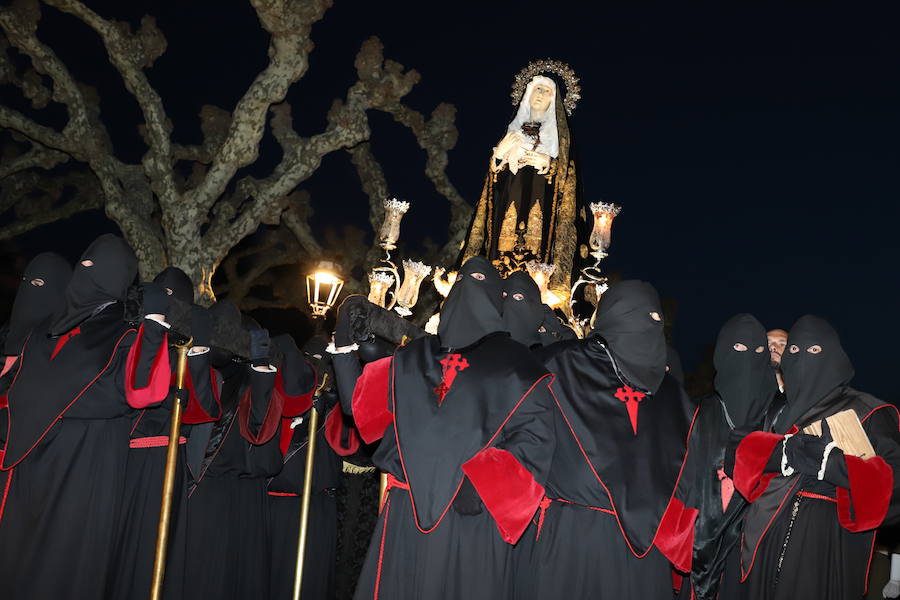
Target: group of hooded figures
column 521, row 462
column 86, row 414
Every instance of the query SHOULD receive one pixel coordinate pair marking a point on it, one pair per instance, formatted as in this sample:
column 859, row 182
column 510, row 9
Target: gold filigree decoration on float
column 547, row 65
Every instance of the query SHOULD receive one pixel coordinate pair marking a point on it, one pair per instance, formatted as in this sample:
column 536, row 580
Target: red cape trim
column 294, row 406
column 750, row 459
column 195, row 414
column 334, row 430
column 675, row 535
column 507, row 489
column 270, row 422
column 157, row 387
column 605, row 489
column 865, row 504
column 370, row 400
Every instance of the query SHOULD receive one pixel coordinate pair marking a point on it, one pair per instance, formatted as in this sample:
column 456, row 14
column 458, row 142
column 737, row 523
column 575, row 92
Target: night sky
column 754, row 150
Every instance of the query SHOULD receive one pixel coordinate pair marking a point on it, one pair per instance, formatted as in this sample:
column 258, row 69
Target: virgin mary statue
column 529, row 205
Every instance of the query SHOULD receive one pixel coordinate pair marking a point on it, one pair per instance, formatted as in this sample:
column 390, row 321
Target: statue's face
column 541, row 95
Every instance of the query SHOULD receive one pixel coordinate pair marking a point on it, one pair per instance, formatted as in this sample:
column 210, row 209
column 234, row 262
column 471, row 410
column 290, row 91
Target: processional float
column 531, row 217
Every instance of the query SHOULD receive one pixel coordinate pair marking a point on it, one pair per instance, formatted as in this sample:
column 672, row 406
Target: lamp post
column 323, row 286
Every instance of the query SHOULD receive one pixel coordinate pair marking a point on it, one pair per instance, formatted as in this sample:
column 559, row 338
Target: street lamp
column 323, row 286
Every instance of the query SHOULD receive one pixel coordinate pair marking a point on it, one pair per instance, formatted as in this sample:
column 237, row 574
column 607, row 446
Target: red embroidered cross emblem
column 62, row 341
column 452, row 365
column 631, row 398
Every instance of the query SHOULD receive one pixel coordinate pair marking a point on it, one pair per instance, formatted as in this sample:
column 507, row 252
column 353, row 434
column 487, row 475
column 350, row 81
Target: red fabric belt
column 546, row 502
column 284, row 494
column 817, row 496
column 154, row 441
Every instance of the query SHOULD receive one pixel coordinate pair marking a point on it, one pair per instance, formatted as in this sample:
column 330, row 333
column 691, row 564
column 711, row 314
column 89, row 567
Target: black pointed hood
column 636, row 341
column 176, row 280
column 38, row 301
column 114, row 269
column 744, row 380
column 473, row 307
column 523, row 311
column 814, row 364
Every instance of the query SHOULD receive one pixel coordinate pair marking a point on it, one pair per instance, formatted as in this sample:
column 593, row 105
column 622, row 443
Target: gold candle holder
column 380, row 283
column 414, row 273
column 390, row 228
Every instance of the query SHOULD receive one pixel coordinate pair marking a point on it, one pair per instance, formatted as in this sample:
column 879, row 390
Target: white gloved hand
column 892, row 589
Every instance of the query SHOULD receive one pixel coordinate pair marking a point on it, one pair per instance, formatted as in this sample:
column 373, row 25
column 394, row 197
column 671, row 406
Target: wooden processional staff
column 307, row 489
column 165, row 508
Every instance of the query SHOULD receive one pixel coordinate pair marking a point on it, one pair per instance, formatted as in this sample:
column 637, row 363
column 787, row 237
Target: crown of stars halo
column 556, row 67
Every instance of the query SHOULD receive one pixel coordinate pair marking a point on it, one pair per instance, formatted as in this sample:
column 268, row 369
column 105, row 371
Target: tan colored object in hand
column 848, row 434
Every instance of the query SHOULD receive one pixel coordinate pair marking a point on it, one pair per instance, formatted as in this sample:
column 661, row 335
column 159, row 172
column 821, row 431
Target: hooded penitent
column 634, row 441
column 523, row 311
column 744, row 386
column 636, row 339
column 453, row 395
column 57, row 369
column 473, row 307
column 110, row 269
column 814, row 365
column 176, row 281
column 744, row 380
column 41, row 295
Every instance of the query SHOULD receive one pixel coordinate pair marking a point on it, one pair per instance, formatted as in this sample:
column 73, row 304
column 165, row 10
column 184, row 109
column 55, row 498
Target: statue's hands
column 538, row 160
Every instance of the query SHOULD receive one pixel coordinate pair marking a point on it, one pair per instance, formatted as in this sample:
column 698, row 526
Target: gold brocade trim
column 356, row 469
column 508, row 230
column 535, row 229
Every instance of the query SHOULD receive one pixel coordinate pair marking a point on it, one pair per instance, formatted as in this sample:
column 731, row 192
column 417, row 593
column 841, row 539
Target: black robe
column 285, row 492
column 488, row 423
column 804, row 538
column 705, row 487
column 65, row 461
column 145, row 471
column 228, row 511
column 610, row 524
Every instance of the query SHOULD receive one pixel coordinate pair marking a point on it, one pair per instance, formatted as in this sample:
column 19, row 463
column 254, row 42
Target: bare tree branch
column 37, row 157
column 130, row 54
column 289, row 22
